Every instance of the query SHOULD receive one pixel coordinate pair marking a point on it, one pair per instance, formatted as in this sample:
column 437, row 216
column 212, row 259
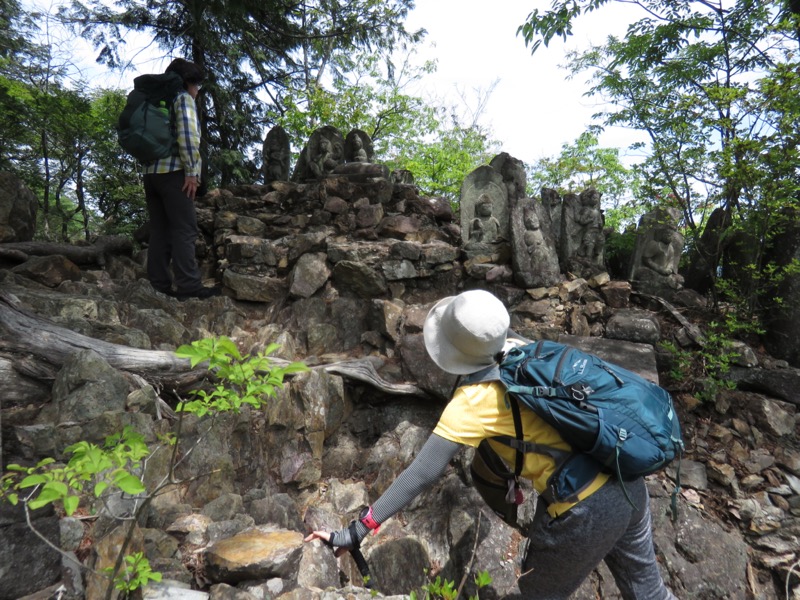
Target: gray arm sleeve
column 423, row 472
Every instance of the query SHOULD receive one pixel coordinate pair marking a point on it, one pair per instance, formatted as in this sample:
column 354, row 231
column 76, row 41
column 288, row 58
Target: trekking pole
column 361, row 563
column 363, row 567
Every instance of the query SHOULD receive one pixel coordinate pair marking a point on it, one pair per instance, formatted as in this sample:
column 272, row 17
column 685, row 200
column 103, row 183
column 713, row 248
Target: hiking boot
column 202, row 294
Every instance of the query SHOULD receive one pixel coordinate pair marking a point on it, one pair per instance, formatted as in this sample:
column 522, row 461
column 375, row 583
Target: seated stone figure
column 484, row 228
column 322, row 161
column 658, row 253
column 359, row 154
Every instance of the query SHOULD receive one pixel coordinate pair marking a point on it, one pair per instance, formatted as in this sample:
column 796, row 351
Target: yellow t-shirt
column 480, row 411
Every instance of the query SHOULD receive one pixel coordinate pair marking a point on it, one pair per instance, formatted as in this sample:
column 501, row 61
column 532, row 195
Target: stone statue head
column 531, row 220
column 590, row 197
column 484, row 205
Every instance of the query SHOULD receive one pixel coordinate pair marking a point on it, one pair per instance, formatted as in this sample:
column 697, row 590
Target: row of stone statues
column 543, row 239
column 324, row 153
column 555, row 236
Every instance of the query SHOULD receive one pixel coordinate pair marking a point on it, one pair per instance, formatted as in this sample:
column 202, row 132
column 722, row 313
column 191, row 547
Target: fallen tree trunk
column 27, row 333
column 24, row 333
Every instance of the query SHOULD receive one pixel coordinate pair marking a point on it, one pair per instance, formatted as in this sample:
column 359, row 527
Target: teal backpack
column 146, row 128
column 615, row 420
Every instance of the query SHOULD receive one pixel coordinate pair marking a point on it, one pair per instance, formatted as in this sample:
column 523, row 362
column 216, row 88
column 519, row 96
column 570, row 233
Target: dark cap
column 188, row 71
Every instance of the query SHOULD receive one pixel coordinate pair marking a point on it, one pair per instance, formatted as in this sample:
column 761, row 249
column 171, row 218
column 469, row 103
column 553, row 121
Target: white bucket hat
column 464, row 333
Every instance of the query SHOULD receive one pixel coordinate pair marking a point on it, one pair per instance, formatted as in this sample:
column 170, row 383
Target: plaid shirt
column 188, row 130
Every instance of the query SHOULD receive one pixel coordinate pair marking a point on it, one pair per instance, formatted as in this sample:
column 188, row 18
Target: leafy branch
column 95, row 471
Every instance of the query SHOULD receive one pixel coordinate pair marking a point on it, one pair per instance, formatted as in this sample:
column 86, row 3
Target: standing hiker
column 170, row 186
column 465, row 334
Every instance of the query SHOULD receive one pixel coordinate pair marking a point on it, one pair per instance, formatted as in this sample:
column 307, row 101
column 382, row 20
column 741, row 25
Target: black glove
column 350, row 536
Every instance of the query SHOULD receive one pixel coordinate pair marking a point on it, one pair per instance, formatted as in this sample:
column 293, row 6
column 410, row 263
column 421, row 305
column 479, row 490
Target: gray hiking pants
column 563, row 551
column 173, row 231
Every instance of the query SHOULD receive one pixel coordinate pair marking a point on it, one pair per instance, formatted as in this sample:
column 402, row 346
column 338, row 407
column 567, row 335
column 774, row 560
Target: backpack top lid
column 160, row 87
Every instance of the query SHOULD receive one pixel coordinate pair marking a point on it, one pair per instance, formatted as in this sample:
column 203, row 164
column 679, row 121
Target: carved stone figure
column 323, row 153
column 552, row 202
column 657, row 253
column 321, row 160
column 484, row 227
column 590, row 218
column 582, row 241
column 358, row 147
column 533, row 250
column 513, row 172
column 402, row 177
column 481, row 184
column 533, row 237
column 276, row 155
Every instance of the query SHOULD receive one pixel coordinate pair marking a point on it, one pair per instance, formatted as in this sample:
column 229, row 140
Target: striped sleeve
column 421, row 474
column 188, row 131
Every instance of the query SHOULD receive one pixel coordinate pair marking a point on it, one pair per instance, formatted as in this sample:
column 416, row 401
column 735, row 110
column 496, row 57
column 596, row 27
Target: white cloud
column 534, row 109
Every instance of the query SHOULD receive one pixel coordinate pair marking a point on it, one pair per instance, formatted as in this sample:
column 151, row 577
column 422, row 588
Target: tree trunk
column 80, row 255
column 23, row 334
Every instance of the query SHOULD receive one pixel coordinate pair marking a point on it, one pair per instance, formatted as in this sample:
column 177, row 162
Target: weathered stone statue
column 321, row 160
column 484, row 224
column 484, row 227
column 552, row 202
column 482, row 184
column 591, row 220
column 513, row 172
column 358, row 147
column 276, row 155
column 533, row 249
column 18, row 207
column 402, row 177
column 582, row 242
column 654, row 268
column 323, row 153
column 533, row 237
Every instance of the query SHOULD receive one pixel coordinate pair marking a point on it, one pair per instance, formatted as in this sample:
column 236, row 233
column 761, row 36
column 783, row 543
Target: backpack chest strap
column 525, row 447
column 575, row 392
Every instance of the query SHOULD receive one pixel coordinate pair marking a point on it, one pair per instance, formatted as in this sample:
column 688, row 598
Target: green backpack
column 146, row 129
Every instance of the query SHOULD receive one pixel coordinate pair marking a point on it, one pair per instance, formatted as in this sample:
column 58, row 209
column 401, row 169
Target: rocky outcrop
column 341, row 273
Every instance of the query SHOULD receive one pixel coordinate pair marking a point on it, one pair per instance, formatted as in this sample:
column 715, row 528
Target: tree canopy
column 256, row 53
column 711, row 84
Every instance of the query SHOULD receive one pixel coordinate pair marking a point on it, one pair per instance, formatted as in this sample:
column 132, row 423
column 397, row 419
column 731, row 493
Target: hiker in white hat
column 465, row 335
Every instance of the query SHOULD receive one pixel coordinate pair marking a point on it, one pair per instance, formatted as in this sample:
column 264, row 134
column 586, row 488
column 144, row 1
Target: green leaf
column 46, row 496
column 99, row 488
column 59, row 487
column 129, row 484
column 71, row 504
column 226, row 346
column 32, row 480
